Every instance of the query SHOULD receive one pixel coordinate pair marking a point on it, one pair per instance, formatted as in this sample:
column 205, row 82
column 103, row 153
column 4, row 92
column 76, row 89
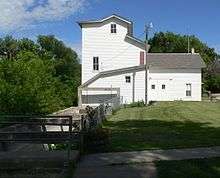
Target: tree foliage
column 175, row 43
column 37, row 77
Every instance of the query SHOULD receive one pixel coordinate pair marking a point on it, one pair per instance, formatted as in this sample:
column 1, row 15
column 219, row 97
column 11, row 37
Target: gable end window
column 128, row 79
column 113, row 28
column 188, row 89
column 95, row 63
column 152, row 87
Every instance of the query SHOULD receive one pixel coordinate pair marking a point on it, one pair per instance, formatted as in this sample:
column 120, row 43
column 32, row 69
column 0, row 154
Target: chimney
column 193, row 51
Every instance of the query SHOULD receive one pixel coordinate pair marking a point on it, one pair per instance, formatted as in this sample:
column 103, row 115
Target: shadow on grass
column 199, row 168
column 130, row 135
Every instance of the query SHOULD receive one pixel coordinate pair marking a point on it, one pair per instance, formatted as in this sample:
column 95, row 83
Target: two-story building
column 113, row 64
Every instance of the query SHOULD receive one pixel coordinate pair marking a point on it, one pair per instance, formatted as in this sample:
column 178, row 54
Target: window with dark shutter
column 113, row 28
column 142, row 58
column 95, row 63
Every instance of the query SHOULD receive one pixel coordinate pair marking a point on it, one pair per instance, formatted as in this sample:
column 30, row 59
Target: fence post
column 81, row 144
column 70, row 137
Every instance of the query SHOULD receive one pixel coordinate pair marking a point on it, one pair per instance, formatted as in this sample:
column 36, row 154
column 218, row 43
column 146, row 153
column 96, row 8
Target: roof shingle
column 175, row 60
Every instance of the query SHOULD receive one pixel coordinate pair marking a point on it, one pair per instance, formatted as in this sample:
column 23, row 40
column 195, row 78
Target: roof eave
column 104, row 19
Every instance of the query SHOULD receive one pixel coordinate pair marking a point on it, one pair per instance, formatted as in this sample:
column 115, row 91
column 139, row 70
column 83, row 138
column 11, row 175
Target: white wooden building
column 113, row 64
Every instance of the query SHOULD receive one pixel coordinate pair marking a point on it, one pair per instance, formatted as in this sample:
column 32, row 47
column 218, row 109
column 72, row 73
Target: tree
column 37, row 77
column 66, row 65
column 27, row 87
column 175, row 43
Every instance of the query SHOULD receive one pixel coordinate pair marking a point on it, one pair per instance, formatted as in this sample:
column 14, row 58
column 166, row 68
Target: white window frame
column 127, row 79
column 95, row 63
column 188, row 90
column 113, row 28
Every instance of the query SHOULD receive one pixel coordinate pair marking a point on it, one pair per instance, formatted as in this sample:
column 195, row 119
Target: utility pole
column 188, row 41
column 147, row 28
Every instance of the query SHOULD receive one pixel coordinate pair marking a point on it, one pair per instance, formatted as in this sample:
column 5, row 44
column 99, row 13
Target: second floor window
column 127, row 79
column 95, row 63
column 113, row 28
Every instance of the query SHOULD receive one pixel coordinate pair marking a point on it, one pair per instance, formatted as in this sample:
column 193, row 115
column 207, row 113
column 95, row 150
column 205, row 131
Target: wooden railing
column 37, row 130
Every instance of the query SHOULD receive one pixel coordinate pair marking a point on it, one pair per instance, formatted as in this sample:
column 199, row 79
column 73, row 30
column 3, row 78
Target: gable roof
column 113, row 16
column 158, row 61
column 175, row 60
column 106, row 18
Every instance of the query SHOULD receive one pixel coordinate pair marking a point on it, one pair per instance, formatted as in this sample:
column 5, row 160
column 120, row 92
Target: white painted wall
column 175, row 81
column 117, row 82
column 113, row 51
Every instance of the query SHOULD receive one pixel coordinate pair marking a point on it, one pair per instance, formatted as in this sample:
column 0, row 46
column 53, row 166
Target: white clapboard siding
column 112, row 49
column 175, row 81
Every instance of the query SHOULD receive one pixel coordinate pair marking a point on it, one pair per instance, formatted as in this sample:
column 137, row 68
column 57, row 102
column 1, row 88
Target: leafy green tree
column 37, row 77
column 175, row 43
column 27, row 87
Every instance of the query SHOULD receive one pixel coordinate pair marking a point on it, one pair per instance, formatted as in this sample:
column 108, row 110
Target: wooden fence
column 36, row 130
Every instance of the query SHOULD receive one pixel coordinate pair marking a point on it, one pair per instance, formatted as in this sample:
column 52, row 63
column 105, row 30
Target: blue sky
column 29, row 18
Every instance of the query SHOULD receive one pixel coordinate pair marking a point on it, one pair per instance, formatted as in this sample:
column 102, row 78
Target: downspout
column 133, row 88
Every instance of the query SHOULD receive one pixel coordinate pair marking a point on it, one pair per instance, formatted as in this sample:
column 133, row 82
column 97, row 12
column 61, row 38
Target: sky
column 30, row 18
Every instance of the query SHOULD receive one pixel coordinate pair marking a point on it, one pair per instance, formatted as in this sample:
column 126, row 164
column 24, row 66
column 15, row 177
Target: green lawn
column 165, row 125
column 198, row 168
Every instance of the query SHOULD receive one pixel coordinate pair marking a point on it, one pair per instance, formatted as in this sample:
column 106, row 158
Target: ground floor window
column 152, row 87
column 188, row 89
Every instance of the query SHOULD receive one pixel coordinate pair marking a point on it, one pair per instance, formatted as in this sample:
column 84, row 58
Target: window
column 128, row 79
column 163, row 87
column 95, row 63
column 113, row 28
column 188, row 89
column 152, row 87
column 142, row 58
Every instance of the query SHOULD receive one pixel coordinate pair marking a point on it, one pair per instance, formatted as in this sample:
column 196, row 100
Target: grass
column 198, row 168
column 165, row 125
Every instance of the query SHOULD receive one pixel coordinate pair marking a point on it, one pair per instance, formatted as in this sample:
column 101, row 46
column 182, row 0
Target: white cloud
column 16, row 14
